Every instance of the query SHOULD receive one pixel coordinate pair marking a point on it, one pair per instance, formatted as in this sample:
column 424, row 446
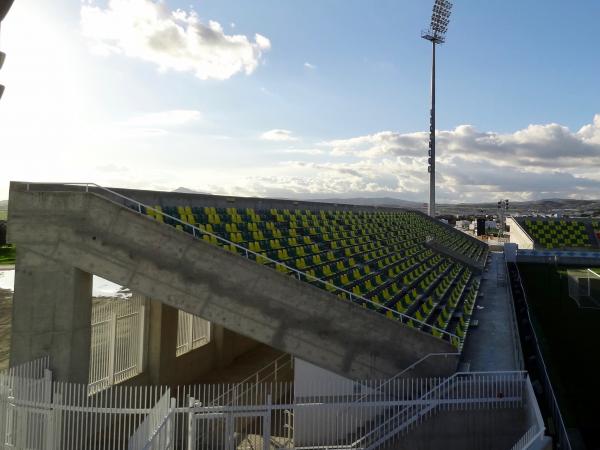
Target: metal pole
column 432, row 139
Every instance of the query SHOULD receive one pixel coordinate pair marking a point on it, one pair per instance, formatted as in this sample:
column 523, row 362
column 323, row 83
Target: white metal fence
column 37, row 413
column 24, row 421
column 156, row 430
column 192, row 332
column 118, row 346
column 534, row 436
column 118, row 341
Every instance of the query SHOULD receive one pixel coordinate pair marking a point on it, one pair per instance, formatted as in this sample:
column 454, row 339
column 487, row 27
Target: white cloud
column 176, row 40
column 278, row 135
column 379, row 144
column 538, row 161
column 310, row 66
column 550, row 145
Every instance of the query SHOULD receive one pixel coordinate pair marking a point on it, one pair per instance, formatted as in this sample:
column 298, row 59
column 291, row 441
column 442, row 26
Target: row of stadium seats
column 376, row 259
column 557, row 234
column 247, row 225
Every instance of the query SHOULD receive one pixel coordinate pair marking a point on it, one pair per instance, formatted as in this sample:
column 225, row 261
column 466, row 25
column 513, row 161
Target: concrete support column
column 162, row 343
column 52, row 307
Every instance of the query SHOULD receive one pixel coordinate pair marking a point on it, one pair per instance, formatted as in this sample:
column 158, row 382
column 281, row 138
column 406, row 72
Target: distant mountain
column 184, row 190
column 543, row 206
column 382, row 201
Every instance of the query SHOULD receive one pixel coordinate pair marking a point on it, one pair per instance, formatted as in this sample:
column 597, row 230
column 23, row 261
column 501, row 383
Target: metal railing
column 562, row 437
column 156, row 430
column 409, row 368
column 198, row 232
column 536, row 430
column 238, row 390
column 528, row 439
column 264, row 420
column 517, row 348
column 270, row 370
column 447, row 394
column 192, row 332
column 38, row 413
column 117, row 349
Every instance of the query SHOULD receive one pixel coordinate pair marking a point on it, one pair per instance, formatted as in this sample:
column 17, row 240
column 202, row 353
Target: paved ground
column 491, row 345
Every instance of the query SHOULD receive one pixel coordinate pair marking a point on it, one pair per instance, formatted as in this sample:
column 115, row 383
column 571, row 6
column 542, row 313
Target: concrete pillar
column 52, row 307
column 162, row 343
column 222, row 352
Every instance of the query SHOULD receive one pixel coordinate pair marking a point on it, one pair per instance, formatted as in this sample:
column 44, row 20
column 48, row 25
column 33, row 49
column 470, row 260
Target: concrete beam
column 104, row 238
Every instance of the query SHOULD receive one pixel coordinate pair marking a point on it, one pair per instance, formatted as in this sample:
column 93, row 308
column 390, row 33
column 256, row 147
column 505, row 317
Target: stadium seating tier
column 375, row 259
column 560, row 233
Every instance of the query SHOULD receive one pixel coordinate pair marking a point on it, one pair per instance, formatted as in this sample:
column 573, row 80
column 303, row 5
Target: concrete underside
column 88, row 233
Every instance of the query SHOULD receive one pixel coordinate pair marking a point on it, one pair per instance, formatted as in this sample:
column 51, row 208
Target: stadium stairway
column 94, row 234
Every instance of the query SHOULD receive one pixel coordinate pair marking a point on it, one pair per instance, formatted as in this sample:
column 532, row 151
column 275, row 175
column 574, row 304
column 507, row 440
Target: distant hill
column 382, row 201
column 3, row 204
column 184, row 190
column 543, row 206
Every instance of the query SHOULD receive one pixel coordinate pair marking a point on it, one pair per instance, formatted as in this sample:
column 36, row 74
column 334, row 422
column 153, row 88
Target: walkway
column 491, row 345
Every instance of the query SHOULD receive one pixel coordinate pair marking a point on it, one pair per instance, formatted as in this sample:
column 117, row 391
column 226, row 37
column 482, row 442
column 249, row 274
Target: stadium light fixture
column 2, row 58
column 436, row 34
column 4, row 7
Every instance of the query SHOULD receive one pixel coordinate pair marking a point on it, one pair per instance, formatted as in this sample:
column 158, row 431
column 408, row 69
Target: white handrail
column 412, row 366
column 446, row 383
column 254, row 375
column 403, row 318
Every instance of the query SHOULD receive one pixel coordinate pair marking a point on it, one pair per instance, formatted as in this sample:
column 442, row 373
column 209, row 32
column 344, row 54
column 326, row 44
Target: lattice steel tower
column 436, row 34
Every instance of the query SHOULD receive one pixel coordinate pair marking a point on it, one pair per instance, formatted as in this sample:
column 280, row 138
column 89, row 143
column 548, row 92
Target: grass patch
column 568, row 336
column 3, row 214
column 7, row 254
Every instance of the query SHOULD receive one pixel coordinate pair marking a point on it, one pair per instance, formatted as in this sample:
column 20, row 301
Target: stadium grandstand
column 138, row 319
column 378, row 322
column 376, row 259
column 561, row 233
column 552, row 266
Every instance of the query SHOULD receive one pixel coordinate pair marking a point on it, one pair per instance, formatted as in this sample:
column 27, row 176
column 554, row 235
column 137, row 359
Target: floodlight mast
column 436, row 34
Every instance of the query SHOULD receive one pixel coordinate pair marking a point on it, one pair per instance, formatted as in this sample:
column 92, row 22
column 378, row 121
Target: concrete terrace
column 492, row 345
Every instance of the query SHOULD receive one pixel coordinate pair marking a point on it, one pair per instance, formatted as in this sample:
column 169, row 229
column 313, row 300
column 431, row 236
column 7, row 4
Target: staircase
column 460, row 392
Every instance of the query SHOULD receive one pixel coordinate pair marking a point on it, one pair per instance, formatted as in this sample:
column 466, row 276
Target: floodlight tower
column 436, row 34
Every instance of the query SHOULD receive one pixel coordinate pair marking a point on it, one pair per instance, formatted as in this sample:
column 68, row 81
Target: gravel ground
column 5, row 319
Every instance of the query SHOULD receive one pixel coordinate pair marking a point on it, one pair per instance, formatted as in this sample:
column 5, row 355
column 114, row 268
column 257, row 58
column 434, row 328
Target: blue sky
column 331, row 99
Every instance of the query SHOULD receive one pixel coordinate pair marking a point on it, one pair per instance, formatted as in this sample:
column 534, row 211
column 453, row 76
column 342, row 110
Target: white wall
column 518, row 235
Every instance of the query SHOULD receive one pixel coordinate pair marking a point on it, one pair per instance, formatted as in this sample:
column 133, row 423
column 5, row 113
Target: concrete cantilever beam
column 62, row 235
